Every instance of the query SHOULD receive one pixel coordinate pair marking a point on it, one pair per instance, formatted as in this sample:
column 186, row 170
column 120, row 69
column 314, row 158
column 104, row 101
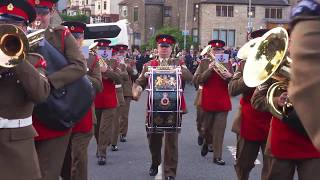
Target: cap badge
column 10, row 7
column 164, row 39
column 217, row 44
column 72, row 28
column 37, row 2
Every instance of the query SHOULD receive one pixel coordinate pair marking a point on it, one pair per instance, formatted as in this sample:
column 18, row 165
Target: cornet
column 15, row 45
column 218, row 67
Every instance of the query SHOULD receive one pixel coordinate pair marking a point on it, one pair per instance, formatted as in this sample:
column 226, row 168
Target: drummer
column 165, row 43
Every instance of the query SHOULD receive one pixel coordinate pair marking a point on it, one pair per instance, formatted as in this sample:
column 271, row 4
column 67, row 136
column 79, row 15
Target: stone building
column 228, row 20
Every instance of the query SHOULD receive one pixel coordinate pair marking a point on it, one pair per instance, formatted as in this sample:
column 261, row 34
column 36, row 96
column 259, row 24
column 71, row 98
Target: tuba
column 15, row 45
column 218, row 68
column 268, row 59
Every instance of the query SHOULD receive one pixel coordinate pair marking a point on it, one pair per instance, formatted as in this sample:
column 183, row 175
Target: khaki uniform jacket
column 126, row 79
column 77, row 63
column 304, row 88
column 94, row 73
column 195, row 80
column 237, row 87
column 19, row 92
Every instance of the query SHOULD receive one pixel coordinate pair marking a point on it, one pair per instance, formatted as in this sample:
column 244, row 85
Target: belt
column 15, row 123
column 118, row 86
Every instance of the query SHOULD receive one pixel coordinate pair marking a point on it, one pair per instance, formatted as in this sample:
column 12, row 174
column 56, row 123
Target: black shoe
column 204, row 150
column 114, row 148
column 102, row 161
column 219, row 161
column 200, row 140
column 123, row 138
column 153, row 171
column 210, row 148
column 169, row 178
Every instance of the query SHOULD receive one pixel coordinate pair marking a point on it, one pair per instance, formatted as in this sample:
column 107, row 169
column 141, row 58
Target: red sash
column 287, row 143
column 107, row 98
column 215, row 95
column 254, row 124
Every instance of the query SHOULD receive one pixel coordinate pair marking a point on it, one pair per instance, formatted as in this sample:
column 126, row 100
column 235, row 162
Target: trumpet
column 15, row 45
column 268, row 59
column 218, row 68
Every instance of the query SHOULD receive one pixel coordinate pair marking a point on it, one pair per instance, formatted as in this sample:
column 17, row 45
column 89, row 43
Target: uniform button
column 0, row 76
column 18, row 81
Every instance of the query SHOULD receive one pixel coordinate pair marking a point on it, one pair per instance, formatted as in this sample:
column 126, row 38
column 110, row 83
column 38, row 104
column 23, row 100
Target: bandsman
column 51, row 161
column 165, row 44
column 76, row 159
column 21, row 86
column 253, row 126
column 216, row 103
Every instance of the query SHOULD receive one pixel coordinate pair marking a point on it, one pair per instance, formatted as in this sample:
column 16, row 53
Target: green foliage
column 79, row 17
column 173, row 31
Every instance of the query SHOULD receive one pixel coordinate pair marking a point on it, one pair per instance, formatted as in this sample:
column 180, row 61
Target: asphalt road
column 133, row 160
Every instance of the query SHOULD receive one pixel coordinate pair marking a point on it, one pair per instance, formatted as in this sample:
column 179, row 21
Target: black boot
column 153, row 171
column 102, row 161
column 200, row 140
column 204, row 150
column 219, row 161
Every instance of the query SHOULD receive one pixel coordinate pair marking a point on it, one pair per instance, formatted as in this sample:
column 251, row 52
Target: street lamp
column 185, row 26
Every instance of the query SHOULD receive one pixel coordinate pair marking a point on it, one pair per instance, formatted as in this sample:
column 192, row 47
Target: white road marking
column 159, row 175
column 233, row 151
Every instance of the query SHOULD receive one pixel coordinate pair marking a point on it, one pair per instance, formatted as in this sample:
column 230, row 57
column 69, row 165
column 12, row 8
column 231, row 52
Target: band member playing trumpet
column 164, row 43
column 252, row 126
column 50, row 157
column 76, row 159
column 215, row 99
column 22, row 85
column 105, row 104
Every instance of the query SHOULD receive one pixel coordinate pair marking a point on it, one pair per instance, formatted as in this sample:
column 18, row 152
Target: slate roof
column 246, row 2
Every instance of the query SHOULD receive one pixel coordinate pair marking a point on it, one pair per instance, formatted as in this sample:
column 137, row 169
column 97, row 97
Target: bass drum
column 164, row 100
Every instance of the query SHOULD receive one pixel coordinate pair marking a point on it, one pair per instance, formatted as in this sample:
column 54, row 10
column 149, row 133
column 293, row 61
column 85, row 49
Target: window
column 135, row 14
column 167, row 11
column 99, row 6
column 226, row 35
column 224, row 11
column 124, row 11
column 253, row 11
column 195, row 35
column 87, row 2
column 274, row 13
column 105, row 5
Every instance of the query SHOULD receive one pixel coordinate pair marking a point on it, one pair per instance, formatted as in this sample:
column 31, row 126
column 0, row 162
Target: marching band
column 55, row 98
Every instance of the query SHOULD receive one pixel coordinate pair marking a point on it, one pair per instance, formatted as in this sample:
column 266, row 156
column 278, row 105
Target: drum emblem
column 165, row 100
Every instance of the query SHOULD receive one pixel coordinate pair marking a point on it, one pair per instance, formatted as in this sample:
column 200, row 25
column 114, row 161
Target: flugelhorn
column 268, row 59
column 218, row 67
column 15, row 45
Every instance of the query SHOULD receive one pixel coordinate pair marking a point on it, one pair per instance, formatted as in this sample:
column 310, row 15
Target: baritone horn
column 218, row 68
column 15, row 45
column 268, row 59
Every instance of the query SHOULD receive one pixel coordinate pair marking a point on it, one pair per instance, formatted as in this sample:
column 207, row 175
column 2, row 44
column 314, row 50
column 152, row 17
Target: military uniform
column 289, row 149
column 215, row 105
column 76, row 159
column 21, row 88
column 197, row 104
column 60, row 37
column 105, row 108
column 304, row 85
column 252, row 126
column 171, row 139
column 253, row 129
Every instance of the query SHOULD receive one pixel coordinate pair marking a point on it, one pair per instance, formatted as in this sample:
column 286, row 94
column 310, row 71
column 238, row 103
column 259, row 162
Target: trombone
column 15, row 45
column 268, row 59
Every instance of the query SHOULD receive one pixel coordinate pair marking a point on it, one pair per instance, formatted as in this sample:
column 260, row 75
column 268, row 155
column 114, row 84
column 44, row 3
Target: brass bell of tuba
column 268, row 59
column 218, row 68
column 14, row 44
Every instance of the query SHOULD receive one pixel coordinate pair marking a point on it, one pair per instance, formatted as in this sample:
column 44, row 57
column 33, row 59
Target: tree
column 174, row 32
column 79, row 17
